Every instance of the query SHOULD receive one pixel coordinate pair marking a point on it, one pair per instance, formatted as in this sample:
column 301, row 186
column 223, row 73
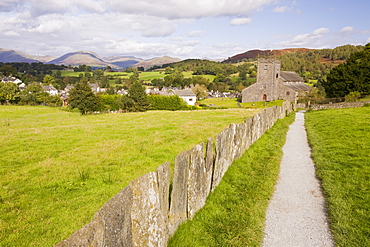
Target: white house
column 11, row 79
column 50, row 90
column 187, row 95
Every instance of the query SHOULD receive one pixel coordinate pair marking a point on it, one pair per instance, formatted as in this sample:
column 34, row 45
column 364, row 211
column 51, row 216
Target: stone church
column 273, row 84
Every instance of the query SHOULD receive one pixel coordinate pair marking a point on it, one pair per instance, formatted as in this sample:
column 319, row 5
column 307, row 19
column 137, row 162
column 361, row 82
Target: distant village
column 186, row 93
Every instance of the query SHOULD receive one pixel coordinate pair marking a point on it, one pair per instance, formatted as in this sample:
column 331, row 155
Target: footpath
column 296, row 213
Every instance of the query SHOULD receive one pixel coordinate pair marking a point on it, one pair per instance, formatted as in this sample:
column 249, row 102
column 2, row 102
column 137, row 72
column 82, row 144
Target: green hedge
column 109, row 102
column 171, row 103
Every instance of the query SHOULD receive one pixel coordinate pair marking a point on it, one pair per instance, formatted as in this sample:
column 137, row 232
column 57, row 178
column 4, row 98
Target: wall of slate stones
column 145, row 213
column 338, row 105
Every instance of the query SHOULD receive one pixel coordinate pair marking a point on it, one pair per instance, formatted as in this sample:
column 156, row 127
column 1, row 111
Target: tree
column 200, row 91
column 83, row 98
column 9, row 92
column 136, row 99
column 353, row 75
column 33, row 94
column 8, row 70
column 48, row 80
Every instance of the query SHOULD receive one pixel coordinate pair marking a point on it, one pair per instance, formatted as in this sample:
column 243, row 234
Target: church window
column 287, row 93
column 266, row 67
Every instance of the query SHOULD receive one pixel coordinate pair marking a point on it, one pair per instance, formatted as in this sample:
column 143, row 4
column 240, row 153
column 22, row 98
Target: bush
column 352, row 96
column 109, row 102
column 171, row 103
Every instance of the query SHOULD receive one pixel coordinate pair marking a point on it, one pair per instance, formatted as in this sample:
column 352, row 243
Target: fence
column 145, row 213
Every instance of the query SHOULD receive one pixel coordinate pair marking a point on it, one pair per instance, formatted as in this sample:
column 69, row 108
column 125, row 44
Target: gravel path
column 296, row 213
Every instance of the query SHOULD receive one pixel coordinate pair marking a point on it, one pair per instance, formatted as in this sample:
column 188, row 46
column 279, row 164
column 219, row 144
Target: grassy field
column 235, row 212
column 340, row 142
column 58, row 168
column 233, row 103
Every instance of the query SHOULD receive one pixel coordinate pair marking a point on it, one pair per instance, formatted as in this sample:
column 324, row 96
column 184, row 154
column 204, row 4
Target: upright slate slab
column 240, row 139
column 111, row 225
column 225, row 153
column 209, row 166
column 148, row 223
column 164, row 179
column 249, row 135
column 178, row 205
column 196, row 180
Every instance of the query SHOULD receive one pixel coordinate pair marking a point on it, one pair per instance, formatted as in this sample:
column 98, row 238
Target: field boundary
column 147, row 213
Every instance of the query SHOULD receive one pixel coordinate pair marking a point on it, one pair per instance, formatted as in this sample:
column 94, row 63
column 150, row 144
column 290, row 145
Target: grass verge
column 234, row 214
column 340, row 141
column 58, row 168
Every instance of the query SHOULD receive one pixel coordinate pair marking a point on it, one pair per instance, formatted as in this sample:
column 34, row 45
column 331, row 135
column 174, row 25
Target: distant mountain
column 156, row 61
column 252, row 54
column 123, row 61
column 82, row 57
column 13, row 56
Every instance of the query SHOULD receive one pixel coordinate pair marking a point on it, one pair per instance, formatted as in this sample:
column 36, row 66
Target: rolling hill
column 253, row 54
column 13, row 56
column 84, row 57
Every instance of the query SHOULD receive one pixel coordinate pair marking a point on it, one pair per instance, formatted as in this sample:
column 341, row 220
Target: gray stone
column 240, row 139
column 197, row 181
column 248, row 140
column 148, row 223
column 111, row 225
column 209, row 166
column 164, row 179
column 178, row 205
column 225, row 154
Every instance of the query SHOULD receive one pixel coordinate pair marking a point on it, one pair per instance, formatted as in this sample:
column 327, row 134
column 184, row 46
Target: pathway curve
column 296, row 213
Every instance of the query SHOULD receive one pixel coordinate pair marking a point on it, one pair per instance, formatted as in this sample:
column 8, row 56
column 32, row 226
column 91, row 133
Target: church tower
column 268, row 72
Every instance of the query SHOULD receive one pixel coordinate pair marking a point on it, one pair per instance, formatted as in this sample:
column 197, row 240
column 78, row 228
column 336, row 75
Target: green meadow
column 340, row 140
column 57, row 168
column 233, row 103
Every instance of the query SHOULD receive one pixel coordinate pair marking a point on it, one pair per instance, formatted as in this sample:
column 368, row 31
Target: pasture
column 58, row 168
column 233, row 103
column 340, row 140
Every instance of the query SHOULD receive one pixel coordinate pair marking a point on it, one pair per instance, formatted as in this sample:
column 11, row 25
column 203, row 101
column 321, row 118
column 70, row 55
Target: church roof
column 289, row 76
column 298, row 86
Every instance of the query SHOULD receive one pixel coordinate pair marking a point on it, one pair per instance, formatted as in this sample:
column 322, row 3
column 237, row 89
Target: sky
column 213, row 29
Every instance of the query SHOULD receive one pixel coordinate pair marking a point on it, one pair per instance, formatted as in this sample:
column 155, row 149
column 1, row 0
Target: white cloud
column 347, row 29
column 187, row 8
column 11, row 33
column 316, row 39
column 196, row 33
column 240, row 21
column 320, row 31
column 281, row 9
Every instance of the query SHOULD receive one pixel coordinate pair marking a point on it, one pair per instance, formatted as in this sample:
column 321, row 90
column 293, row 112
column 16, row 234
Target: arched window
column 277, row 75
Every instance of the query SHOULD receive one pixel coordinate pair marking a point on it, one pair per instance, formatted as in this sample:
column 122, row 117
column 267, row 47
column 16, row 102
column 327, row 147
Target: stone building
column 273, row 84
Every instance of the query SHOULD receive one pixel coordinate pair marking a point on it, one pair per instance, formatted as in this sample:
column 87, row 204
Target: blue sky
column 214, row 29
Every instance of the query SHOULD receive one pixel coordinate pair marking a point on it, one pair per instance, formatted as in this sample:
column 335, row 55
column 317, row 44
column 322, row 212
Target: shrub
column 171, row 103
column 352, row 96
column 109, row 102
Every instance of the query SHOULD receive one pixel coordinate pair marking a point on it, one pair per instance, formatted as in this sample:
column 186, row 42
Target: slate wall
column 145, row 214
column 338, row 105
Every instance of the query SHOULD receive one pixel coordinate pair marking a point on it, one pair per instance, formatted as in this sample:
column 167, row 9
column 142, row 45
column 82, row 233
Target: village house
column 273, row 84
column 187, row 95
column 11, row 79
column 50, row 90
